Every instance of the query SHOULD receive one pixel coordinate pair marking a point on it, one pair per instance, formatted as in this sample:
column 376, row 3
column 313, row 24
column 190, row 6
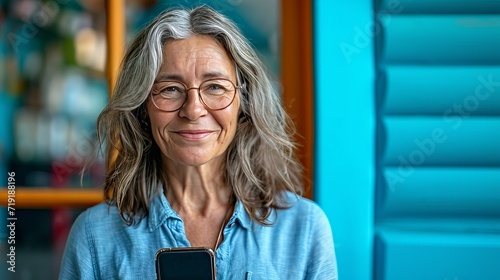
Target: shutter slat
column 440, row 192
column 444, row 141
column 442, row 40
column 434, row 255
column 424, row 90
column 439, row 7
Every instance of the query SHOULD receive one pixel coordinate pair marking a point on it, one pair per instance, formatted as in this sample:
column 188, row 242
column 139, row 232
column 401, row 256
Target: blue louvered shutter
column 437, row 210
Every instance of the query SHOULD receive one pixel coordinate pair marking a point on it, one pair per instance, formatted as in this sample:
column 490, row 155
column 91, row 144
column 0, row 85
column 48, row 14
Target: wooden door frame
column 298, row 80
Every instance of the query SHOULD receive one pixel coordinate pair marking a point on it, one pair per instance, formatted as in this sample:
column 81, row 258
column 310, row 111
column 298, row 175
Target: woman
column 204, row 159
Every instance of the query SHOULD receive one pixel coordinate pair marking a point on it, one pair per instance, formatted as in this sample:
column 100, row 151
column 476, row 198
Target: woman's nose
column 193, row 108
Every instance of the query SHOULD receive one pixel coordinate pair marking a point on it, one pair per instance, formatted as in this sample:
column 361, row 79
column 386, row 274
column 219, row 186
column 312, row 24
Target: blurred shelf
column 46, row 197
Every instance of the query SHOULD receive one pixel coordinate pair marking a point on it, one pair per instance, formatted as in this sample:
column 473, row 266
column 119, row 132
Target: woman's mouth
column 193, row 134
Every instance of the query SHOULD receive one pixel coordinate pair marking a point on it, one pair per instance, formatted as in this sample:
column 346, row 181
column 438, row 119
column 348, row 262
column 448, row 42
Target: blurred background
column 396, row 102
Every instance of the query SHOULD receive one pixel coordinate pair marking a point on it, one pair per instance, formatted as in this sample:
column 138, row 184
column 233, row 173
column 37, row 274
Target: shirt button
column 231, row 225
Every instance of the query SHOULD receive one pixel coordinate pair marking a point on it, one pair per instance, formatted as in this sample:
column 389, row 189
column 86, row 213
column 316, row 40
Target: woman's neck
column 196, row 190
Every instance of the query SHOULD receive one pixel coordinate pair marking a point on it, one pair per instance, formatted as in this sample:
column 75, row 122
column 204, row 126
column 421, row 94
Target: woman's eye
column 171, row 92
column 214, row 87
column 170, row 89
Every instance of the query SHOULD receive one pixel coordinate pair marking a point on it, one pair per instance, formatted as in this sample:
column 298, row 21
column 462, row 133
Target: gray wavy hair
column 260, row 162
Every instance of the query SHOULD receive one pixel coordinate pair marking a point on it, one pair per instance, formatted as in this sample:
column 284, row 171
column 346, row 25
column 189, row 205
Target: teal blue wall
column 345, row 117
column 408, row 136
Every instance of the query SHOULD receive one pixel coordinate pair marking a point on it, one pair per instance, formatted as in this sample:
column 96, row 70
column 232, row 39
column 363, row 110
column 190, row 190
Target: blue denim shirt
column 299, row 245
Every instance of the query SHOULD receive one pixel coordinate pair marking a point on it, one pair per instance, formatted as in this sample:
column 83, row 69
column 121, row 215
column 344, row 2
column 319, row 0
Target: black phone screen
column 185, row 263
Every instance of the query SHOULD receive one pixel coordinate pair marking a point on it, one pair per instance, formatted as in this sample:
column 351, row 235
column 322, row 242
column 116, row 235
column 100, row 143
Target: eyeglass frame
column 199, row 94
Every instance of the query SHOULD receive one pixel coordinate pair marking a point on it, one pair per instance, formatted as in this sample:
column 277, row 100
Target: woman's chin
column 193, row 159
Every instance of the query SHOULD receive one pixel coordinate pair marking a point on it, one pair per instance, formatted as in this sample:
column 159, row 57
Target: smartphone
column 185, row 263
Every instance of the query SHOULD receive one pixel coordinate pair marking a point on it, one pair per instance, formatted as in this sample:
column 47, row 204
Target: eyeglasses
column 215, row 94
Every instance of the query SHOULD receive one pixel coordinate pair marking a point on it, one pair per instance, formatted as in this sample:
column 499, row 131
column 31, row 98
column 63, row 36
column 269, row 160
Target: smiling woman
column 204, row 159
column 195, row 133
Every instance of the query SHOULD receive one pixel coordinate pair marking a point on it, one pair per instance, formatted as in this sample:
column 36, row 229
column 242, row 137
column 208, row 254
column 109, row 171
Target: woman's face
column 194, row 135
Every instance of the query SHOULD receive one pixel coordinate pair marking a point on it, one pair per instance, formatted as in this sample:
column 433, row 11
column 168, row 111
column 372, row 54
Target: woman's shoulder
column 101, row 211
column 100, row 217
column 297, row 203
column 301, row 210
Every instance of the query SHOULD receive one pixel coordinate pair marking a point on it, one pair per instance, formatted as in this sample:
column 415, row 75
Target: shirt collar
column 241, row 216
column 160, row 210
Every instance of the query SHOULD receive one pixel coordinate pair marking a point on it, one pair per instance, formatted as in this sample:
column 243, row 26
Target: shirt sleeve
column 322, row 261
column 77, row 258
